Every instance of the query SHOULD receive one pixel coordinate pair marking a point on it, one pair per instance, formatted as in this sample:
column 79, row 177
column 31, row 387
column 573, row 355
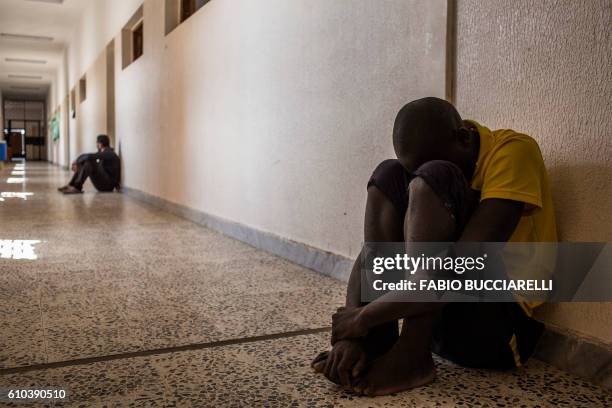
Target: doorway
column 25, row 129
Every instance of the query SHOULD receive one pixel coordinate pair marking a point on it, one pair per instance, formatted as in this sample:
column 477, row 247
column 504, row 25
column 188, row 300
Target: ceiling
column 54, row 21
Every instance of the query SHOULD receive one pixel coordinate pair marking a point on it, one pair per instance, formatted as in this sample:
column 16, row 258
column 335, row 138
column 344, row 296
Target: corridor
column 121, row 304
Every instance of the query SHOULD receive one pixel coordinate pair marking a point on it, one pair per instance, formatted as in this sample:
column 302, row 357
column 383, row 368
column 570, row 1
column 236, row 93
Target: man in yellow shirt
column 453, row 180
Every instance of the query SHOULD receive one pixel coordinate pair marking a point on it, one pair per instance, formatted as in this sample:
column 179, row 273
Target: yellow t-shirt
column 510, row 166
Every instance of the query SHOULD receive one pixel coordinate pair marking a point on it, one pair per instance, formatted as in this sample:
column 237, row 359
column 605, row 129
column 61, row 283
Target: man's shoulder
column 516, row 143
column 110, row 153
column 507, row 135
column 500, row 136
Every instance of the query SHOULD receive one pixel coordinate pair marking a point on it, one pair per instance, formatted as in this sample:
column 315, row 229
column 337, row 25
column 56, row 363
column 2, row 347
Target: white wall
column 57, row 151
column 100, row 22
column 2, row 113
column 274, row 113
column 92, row 111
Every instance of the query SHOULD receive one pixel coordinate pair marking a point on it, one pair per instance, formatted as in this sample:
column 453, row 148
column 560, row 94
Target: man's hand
column 347, row 324
column 345, row 362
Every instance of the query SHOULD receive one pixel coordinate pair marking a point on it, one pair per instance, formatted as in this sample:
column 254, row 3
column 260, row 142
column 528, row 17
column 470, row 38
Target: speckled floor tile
column 30, row 380
column 105, row 332
column 116, row 276
column 276, row 373
column 22, row 340
column 129, row 382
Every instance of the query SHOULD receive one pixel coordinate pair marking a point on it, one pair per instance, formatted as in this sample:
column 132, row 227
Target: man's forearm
column 353, row 291
column 387, row 309
column 394, row 305
column 391, row 306
column 83, row 158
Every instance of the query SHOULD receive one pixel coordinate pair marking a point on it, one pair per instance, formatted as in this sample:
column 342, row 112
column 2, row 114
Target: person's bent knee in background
column 103, row 168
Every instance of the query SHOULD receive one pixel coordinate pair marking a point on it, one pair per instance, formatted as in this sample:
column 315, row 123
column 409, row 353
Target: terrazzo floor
column 127, row 305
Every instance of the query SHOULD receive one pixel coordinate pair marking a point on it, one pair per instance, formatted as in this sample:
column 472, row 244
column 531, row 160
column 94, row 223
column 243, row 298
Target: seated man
column 103, row 168
column 453, row 180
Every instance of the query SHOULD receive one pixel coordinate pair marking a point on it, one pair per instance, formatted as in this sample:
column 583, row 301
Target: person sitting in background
column 103, row 168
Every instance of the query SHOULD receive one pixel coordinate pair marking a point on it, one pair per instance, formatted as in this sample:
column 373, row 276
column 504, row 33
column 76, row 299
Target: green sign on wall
column 55, row 131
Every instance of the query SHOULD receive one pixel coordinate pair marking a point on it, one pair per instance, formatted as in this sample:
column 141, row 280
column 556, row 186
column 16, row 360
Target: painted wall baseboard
column 316, row 259
column 567, row 351
column 576, row 354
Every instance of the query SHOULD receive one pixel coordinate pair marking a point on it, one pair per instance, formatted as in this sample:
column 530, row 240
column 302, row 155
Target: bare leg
column 382, row 224
column 409, row 363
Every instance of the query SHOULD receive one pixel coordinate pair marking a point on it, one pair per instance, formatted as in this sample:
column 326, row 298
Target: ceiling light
column 26, row 37
column 26, row 88
column 25, row 60
column 49, row 1
column 25, row 76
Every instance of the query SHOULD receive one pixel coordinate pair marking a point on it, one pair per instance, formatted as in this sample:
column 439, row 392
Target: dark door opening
column 24, row 129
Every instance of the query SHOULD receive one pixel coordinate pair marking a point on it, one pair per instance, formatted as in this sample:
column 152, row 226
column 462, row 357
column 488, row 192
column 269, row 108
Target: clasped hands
column 347, row 358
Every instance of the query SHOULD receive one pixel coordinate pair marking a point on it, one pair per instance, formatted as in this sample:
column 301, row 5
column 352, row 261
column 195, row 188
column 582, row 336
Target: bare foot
column 318, row 364
column 396, row 371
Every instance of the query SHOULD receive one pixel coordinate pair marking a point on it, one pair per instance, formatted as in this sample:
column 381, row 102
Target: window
column 83, row 89
column 137, row 41
column 178, row 11
column 132, row 39
column 189, row 7
column 73, row 103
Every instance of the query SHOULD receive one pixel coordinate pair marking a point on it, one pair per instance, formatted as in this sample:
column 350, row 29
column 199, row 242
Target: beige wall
column 78, row 135
column 274, row 113
column 57, row 151
column 91, row 117
column 543, row 67
column 99, row 24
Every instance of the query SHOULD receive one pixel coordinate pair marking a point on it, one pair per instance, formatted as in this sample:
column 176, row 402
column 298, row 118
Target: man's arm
column 85, row 157
column 106, row 154
column 493, row 221
column 353, row 290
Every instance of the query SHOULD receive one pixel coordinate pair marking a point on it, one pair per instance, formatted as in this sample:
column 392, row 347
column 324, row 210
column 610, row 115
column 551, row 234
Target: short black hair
column 432, row 119
column 103, row 140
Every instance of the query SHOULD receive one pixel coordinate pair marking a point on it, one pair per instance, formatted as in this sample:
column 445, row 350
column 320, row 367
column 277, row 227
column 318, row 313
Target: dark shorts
column 485, row 335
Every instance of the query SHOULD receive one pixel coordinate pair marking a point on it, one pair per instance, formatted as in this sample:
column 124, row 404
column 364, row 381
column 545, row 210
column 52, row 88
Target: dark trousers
column 97, row 175
column 485, row 335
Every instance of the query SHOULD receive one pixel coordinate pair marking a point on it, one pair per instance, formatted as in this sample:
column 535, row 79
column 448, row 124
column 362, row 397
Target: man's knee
column 419, row 190
column 391, row 179
column 443, row 177
column 444, row 181
column 443, row 173
column 87, row 165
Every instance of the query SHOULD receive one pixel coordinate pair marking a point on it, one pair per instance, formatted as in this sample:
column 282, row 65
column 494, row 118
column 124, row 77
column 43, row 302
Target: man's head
column 102, row 141
column 431, row 129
